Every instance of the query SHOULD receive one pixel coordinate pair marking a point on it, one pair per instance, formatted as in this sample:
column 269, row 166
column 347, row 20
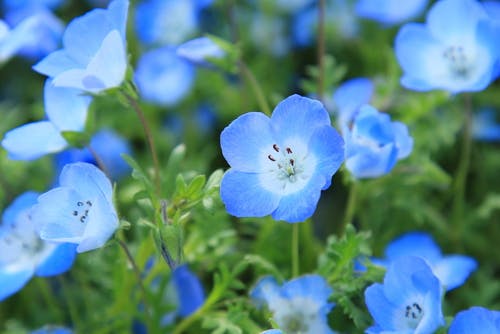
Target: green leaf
column 173, row 169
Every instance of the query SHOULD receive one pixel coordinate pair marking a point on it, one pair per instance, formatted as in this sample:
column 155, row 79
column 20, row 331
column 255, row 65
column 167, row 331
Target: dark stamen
column 276, row 148
column 270, row 157
column 292, row 162
column 288, row 150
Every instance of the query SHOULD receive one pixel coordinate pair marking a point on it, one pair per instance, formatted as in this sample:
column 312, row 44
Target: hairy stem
column 295, row 250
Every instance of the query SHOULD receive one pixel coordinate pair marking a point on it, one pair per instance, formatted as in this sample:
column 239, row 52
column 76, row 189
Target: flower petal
column 311, row 286
column 477, row 320
column 11, row 281
column 381, row 309
column 414, row 244
column 365, row 162
column 58, row 262
column 453, row 270
column 55, row 63
column 189, row 290
column 102, row 222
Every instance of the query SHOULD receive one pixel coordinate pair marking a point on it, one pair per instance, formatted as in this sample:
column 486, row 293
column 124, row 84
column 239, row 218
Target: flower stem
column 462, row 171
column 48, row 296
column 149, row 137
column 295, row 250
column 350, row 208
column 72, row 307
column 321, row 48
column 257, row 90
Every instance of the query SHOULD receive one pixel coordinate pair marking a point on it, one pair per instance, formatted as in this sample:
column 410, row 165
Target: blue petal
column 101, row 225
column 247, row 142
column 414, row 244
column 189, row 290
column 390, row 11
column 404, row 142
column 56, row 63
column 373, row 125
column 58, row 262
column 484, row 126
column 66, row 108
column 13, row 281
column 312, row 287
column 477, row 320
column 265, row 291
column 109, row 147
column 272, row 331
column 23, row 202
column 199, row 50
column 351, row 95
column 244, row 196
column 381, row 309
column 33, row 140
column 453, row 270
column 298, row 117
column 365, row 162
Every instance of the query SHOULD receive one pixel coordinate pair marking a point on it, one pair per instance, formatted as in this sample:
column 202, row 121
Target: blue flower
column 189, row 291
column 93, row 57
column 166, row 22
column 11, row 5
column 456, row 50
column 477, row 320
column 200, row 50
column 108, row 146
column 298, row 306
column 409, row 300
column 390, row 12
column 349, row 97
column 279, row 165
column 272, row 331
column 22, row 252
column 66, row 110
column 52, row 330
column 80, row 210
column 163, row 77
column 374, row 143
column 451, row 270
column 484, row 126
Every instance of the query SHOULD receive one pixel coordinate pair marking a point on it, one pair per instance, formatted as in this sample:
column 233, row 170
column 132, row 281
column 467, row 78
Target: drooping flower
column 22, row 253
column 298, row 306
column 93, row 57
column 280, row 165
column 349, row 97
column 477, row 320
column 451, row 270
column 80, row 210
column 485, row 127
column 163, row 77
column 390, row 12
column 374, row 143
column 66, row 110
column 409, row 300
column 456, row 50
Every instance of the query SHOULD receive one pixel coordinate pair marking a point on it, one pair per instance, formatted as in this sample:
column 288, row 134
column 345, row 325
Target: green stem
column 295, row 250
column 350, row 208
column 254, row 84
column 321, row 48
column 48, row 296
column 459, row 186
column 72, row 307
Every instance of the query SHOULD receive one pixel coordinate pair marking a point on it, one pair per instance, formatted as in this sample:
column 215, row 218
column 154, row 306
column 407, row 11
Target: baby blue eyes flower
column 374, row 143
column 280, row 165
column 390, row 12
column 22, row 252
column 456, row 50
column 93, row 57
column 80, row 210
column 298, row 306
column 477, row 320
column 409, row 300
column 451, row 270
column 349, row 97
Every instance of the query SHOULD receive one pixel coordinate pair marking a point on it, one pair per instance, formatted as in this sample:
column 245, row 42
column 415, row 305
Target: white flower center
column 413, row 314
column 296, row 316
column 459, row 61
column 81, row 210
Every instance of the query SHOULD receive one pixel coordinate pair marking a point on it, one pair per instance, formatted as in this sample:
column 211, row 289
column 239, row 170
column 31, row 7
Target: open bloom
column 279, row 165
column 409, row 301
column 451, row 270
column 93, row 57
column 374, row 143
column 456, row 50
column 299, row 306
column 80, row 210
column 22, row 252
column 477, row 320
column 390, row 12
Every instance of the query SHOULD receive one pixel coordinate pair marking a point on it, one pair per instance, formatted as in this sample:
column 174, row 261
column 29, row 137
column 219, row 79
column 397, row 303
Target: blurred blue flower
column 66, row 110
column 167, row 22
column 13, row 5
column 163, row 77
column 93, row 57
column 451, row 270
column 390, row 12
column 374, row 143
column 280, row 165
column 189, row 291
column 298, row 306
column 456, row 50
column 22, row 252
column 409, row 300
column 200, row 50
column 272, row 331
column 291, row 6
column 108, row 146
column 485, row 127
column 477, row 320
column 80, row 210
column 52, row 330
column 349, row 97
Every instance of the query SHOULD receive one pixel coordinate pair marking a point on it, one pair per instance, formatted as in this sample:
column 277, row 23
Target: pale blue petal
column 58, row 262
column 311, row 286
column 390, row 11
column 492, row 9
column 247, row 143
column 265, row 291
column 272, row 331
column 351, row 95
column 404, row 142
column 477, row 320
column 24, row 201
column 414, row 244
column 365, row 162
column 244, row 196
column 199, row 50
column 298, row 117
column 453, row 270
column 33, row 140
column 117, row 14
column 66, row 108
column 55, row 63
column 381, row 309
column 373, row 125
column 11, row 281
column 189, row 290
column 109, row 147
column 433, row 314
column 300, row 205
column 102, row 222
column 88, row 180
